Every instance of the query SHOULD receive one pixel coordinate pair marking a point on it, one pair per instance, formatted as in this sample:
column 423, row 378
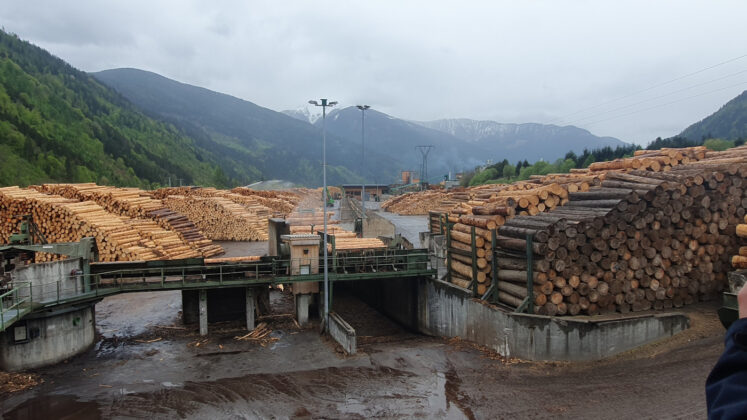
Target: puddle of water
column 444, row 395
column 171, row 384
column 62, row 407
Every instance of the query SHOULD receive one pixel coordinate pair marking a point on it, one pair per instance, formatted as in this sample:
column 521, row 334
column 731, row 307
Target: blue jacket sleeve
column 726, row 386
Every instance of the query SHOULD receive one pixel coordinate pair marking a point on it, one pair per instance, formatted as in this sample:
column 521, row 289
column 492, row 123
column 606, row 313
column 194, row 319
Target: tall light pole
column 324, row 104
column 363, row 109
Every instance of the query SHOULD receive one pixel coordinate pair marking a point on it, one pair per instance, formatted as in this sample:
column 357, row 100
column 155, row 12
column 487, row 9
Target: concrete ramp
column 342, row 332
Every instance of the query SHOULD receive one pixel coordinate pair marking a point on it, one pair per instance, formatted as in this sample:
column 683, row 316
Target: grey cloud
column 508, row 61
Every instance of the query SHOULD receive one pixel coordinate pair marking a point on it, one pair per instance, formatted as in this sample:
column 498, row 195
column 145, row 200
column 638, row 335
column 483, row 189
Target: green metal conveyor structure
column 99, row 280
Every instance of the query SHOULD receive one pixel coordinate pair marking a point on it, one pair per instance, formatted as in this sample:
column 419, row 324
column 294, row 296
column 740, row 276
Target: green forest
column 505, row 172
column 58, row 124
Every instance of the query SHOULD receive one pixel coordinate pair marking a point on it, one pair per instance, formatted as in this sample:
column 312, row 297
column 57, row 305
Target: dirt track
column 296, row 373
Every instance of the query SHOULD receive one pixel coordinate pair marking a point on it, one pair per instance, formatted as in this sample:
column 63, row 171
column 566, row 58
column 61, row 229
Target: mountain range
column 137, row 128
column 257, row 142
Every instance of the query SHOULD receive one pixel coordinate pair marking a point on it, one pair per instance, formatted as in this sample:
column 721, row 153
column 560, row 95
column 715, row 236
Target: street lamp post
column 363, row 109
column 324, row 104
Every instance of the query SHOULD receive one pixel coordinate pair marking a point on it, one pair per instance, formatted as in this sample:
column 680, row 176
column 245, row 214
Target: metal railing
column 13, row 306
column 79, row 287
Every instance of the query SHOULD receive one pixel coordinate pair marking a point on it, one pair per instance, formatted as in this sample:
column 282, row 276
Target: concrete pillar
column 250, row 307
column 302, row 308
column 203, row 312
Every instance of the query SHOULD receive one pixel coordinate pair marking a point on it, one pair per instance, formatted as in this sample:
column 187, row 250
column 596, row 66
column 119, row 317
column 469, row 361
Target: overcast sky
column 629, row 69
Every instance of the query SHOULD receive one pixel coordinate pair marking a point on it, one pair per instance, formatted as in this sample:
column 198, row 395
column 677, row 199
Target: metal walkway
column 108, row 279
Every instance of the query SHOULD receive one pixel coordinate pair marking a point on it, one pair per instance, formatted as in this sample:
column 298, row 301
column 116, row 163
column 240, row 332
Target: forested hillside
column 247, row 140
column 59, row 124
column 728, row 123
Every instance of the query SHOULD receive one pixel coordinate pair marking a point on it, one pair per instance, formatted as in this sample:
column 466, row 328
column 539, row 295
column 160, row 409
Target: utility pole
column 424, row 150
column 324, row 104
column 363, row 109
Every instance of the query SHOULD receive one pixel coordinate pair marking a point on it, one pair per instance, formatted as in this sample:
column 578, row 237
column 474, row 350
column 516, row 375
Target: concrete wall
column 348, row 210
column 445, row 310
column 343, row 333
column 375, row 226
column 52, row 339
column 440, row 309
column 44, row 278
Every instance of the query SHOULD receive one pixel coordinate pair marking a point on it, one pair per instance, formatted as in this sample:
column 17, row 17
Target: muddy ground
column 147, row 364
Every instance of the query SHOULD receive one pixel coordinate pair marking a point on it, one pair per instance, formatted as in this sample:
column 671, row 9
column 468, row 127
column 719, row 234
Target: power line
column 564, row 118
column 575, row 122
column 665, row 104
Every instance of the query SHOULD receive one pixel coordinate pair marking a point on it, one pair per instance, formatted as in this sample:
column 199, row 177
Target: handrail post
column 474, row 260
column 494, row 266
column 448, row 251
column 530, row 272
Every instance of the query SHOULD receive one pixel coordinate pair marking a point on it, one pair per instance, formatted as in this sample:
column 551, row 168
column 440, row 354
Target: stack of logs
column 354, row 244
column 281, row 202
column 740, row 260
column 643, row 240
column 415, row 202
column 118, row 238
column 654, row 160
column 345, row 240
column 137, row 203
column 220, row 218
column 488, row 209
column 313, row 218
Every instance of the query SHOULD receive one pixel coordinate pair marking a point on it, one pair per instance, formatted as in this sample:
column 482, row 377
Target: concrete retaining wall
column 445, row 310
column 441, row 309
column 375, row 226
column 342, row 332
column 51, row 339
column 45, row 276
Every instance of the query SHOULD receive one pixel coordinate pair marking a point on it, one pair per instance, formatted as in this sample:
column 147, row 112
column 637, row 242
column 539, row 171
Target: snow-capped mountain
column 475, row 131
column 307, row 113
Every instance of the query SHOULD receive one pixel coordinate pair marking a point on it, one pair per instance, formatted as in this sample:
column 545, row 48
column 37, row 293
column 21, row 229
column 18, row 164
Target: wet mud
column 147, row 364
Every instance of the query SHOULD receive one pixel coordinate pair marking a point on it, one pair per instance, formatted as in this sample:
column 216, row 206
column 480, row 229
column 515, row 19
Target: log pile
column 740, row 260
column 249, row 202
column 220, row 218
column 577, row 180
column 281, row 202
column 310, row 218
column 118, row 238
column 132, row 202
column 353, row 244
column 415, row 203
column 249, row 258
column 644, row 240
column 654, row 160
column 137, row 203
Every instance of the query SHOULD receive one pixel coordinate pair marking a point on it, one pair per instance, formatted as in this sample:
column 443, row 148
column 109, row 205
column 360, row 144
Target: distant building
column 373, row 191
column 409, row 177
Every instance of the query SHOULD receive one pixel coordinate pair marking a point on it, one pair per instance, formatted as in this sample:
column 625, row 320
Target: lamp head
column 312, row 102
column 333, row 103
column 363, row 107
